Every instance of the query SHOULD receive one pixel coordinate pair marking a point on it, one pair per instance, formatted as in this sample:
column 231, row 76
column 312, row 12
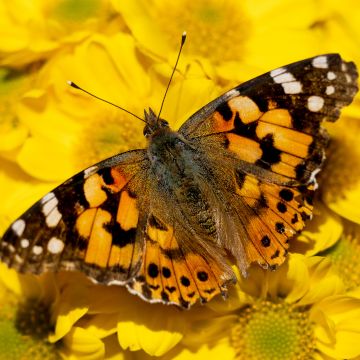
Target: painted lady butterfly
column 236, row 180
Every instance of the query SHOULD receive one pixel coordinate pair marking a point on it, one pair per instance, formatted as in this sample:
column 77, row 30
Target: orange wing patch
column 170, row 275
column 267, row 139
column 107, row 229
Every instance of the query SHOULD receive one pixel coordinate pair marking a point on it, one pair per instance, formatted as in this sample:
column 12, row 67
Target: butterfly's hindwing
column 173, row 275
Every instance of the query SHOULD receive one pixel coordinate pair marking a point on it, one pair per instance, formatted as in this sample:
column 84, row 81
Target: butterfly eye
column 147, row 131
column 164, row 123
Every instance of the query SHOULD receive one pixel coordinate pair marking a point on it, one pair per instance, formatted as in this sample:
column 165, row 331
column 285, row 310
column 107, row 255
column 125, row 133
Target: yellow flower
column 25, row 319
column 34, row 30
column 297, row 312
column 237, row 38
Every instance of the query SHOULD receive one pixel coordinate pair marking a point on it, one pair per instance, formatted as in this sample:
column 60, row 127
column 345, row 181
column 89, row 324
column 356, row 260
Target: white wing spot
column 348, row 78
column 343, row 67
column 277, row 72
column 53, row 218
column 320, row 62
column 91, row 170
column 37, row 250
column 315, row 103
column 18, row 259
column 331, row 75
column 49, row 206
column 24, row 243
column 18, row 227
column 283, row 78
column 55, row 245
column 330, row 90
column 47, row 197
column 292, row 87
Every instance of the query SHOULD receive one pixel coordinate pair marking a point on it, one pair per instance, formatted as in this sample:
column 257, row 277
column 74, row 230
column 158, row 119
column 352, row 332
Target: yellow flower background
column 124, row 51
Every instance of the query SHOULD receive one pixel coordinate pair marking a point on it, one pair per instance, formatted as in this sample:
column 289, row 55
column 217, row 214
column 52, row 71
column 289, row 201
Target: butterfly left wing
column 112, row 222
column 266, row 136
column 91, row 223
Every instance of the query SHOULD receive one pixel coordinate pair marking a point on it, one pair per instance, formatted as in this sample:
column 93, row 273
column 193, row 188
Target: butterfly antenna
column 72, row 84
column 183, row 38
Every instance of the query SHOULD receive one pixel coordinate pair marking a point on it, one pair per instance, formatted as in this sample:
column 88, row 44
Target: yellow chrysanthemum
column 32, row 31
column 234, row 37
column 25, row 317
column 297, row 312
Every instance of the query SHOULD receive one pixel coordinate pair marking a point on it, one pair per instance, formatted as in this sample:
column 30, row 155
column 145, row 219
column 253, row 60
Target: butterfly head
column 154, row 124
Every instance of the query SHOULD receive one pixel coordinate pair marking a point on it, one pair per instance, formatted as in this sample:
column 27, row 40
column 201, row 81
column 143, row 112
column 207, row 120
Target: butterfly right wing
column 269, row 131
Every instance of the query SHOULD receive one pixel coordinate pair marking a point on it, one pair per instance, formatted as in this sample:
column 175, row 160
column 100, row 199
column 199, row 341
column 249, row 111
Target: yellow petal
column 323, row 281
column 27, row 286
column 18, row 192
column 155, row 330
column 344, row 315
column 113, row 351
column 82, row 344
column 100, row 325
column 290, row 280
column 322, row 232
column 41, row 158
column 72, row 303
column 218, row 350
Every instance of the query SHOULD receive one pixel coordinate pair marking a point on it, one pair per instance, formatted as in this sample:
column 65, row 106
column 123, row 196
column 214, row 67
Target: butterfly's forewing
column 91, row 222
column 269, row 131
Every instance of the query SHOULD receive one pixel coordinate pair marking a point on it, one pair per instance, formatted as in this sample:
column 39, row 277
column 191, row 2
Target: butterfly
column 234, row 184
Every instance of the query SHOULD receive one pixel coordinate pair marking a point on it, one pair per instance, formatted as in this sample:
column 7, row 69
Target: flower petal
column 82, row 344
column 72, row 303
column 343, row 313
column 155, row 330
column 322, row 232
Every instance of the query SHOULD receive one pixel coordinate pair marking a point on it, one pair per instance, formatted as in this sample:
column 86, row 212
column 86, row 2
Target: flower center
column 273, row 331
column 217, row 29
column 23, row 331
column 345, row 258
column 341, row 173
column 108, row 136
